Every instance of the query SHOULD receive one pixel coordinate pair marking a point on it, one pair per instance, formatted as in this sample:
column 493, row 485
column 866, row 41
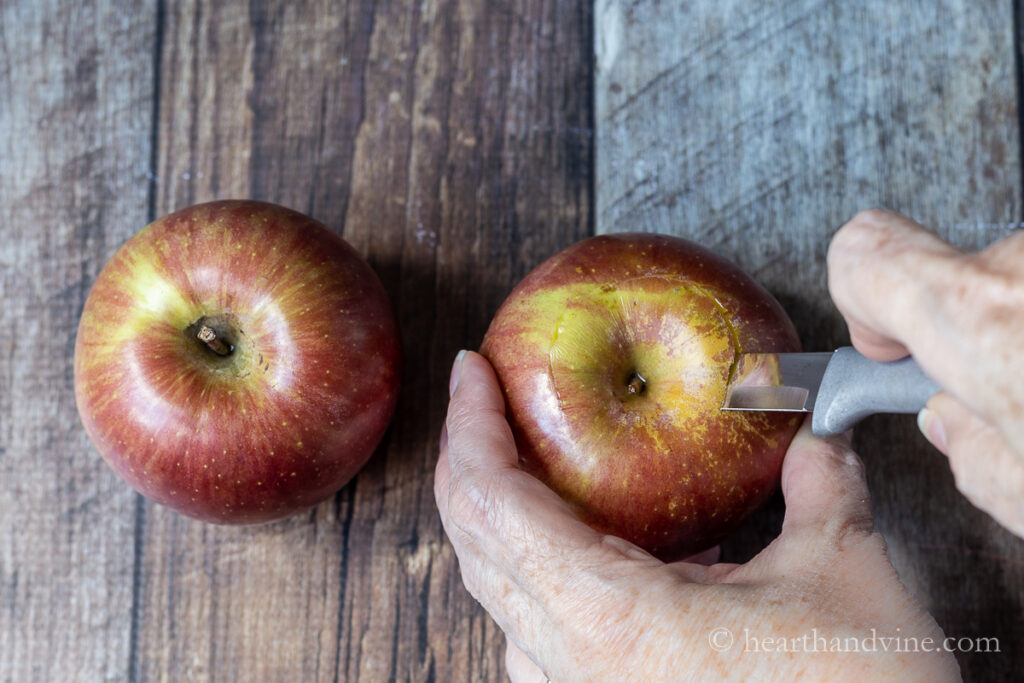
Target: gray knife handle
column 854, row 387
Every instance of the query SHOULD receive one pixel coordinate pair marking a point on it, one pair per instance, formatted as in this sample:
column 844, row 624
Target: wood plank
column 448, row 141
column 757, row 129
column 228, row 603
column 75, row 125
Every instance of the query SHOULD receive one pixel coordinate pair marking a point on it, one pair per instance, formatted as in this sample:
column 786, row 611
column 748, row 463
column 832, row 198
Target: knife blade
column 841, row 388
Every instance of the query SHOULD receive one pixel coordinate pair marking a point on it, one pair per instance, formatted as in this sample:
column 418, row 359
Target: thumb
column 827, row 509
column 987, row 471
column 476, row 425
column 482, row 495
column 475, row 437
column 824, row 488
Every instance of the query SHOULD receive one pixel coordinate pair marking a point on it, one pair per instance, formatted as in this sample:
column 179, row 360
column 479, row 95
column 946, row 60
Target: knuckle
column 460, row 417
column 465, row 419
column 869, row 231
column 464, row 499
column 842, row 458
column 986, row 286
column 983, row 301
column 865, row 225
column 475, row 501
column 872, row 216
column 856, row 528
column 851, row 527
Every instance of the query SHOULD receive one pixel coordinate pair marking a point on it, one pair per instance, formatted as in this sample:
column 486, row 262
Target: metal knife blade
column 776, row 381
column 841, row 387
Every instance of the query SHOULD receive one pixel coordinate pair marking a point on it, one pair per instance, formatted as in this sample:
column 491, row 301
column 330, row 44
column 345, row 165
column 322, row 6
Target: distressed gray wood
column 757, row 129
column 75, row 124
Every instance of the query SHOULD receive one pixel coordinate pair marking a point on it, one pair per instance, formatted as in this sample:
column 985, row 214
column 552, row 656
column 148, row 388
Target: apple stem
column 208, row 336
column 636, row 384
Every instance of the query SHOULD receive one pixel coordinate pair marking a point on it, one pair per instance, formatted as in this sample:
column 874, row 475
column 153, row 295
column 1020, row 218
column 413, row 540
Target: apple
column 236, row 361
column 614, row 356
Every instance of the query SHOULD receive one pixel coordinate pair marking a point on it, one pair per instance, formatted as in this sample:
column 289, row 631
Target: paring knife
column 841, row 388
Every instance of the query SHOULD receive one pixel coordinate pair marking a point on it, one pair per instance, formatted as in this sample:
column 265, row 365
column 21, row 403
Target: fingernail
column 453, row 382
column 932, row 428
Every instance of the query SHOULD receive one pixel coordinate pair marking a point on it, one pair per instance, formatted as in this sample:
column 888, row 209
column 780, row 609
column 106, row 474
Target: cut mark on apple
column 733, row 334
column 636, row 352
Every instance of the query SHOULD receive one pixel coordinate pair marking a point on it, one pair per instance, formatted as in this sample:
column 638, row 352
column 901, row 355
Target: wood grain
column 75, row 121
column 451, row 142
column 757, row 129
column 448, row 142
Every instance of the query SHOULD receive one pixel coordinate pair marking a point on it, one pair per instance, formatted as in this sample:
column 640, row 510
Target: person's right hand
column 904, row 290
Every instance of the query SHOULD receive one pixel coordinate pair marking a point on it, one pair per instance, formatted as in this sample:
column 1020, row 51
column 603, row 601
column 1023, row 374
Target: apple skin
column 290, row 415
column 614, row 356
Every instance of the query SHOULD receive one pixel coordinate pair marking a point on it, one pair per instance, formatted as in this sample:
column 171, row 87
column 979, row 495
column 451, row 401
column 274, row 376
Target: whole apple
column 237, row 362
column 614, row 356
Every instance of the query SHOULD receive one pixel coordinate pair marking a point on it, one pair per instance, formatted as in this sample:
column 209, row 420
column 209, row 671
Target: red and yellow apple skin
column 614, row 356
column 282, row 421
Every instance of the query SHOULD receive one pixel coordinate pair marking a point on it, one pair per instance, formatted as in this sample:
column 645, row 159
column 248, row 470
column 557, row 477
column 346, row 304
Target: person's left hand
column 579, row 605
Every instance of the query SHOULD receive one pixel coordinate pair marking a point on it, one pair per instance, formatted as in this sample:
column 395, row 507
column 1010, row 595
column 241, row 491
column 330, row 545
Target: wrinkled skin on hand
column 577, row 605
column 904, row 290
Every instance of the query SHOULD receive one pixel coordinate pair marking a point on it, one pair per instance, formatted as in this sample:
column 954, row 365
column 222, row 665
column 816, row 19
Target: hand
column 961, row 315
column 577, row 605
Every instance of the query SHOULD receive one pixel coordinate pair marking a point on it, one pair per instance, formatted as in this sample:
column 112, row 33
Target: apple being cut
column 614, row 356
column 237, row 362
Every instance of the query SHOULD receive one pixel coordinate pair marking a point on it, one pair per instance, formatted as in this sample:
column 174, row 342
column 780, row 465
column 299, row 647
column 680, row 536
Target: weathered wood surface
column 448, row 140
column 757, row 129
column 75, row 108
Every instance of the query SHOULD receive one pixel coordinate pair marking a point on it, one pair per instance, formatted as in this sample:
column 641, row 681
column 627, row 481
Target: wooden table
column 456, row 143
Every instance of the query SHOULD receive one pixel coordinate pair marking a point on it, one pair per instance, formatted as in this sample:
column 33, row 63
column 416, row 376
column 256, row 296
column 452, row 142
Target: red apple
column 614, row 356
column 236, row 361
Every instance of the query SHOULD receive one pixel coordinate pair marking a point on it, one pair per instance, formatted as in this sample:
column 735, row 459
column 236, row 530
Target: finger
column 879, row 266
column 875, row 345
column 987, row 471
column 824, row 488
column 519, row 525
column 478, row 433
column 481, row 577
column 520, row 668
column 477, row 455
column 511, row 607
column 901, row 288
column 483, row 472
column 827, row 512
column 522, row 552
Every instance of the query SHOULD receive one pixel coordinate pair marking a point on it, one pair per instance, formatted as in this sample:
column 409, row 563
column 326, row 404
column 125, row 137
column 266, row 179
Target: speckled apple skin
column 284, row 421
column 664, row 468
